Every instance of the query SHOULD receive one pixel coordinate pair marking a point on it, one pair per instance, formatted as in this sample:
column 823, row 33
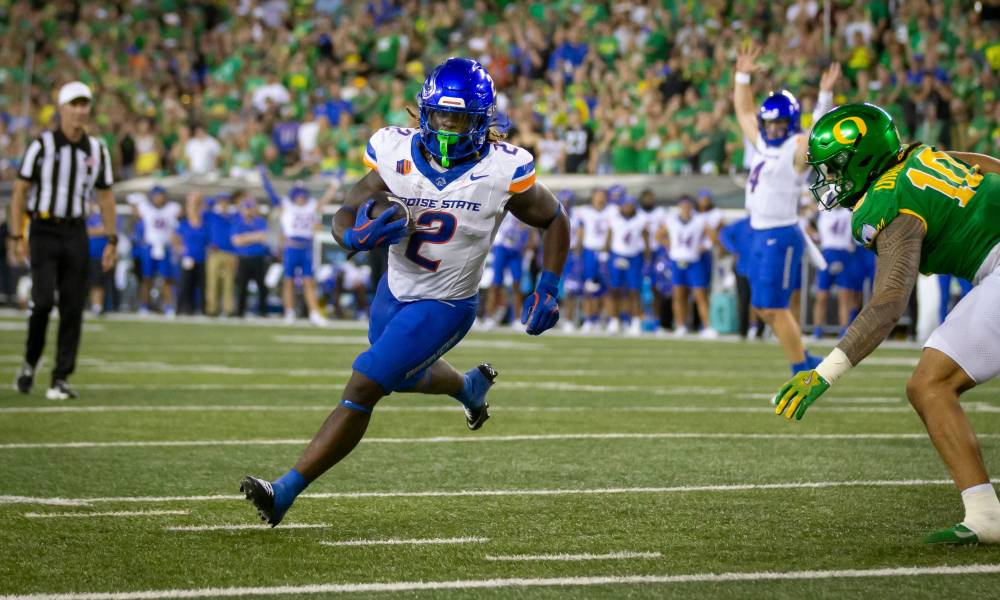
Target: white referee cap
column 73, row 90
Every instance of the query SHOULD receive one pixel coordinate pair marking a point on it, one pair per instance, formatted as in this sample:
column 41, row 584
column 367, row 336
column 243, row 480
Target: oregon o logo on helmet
column 841, row 137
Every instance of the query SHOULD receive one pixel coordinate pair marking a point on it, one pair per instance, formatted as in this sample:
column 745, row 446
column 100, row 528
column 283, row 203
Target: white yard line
column 245, row 526
column 623, row 555
column 751, row 408
column 408, row 542
column 722, row 488
column 544, row 437
column 507, row 583
column 87, row 515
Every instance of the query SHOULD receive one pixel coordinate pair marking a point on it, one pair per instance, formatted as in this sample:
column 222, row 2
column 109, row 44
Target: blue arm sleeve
column 275, row 199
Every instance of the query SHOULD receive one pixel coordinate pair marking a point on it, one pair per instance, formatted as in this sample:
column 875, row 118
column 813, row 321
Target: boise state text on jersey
column 456, row 211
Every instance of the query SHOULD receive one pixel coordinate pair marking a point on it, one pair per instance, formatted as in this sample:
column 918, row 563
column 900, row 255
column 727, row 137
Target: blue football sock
column 467, row 394
column 818, row 331
column 286, row 488
column 853, row 315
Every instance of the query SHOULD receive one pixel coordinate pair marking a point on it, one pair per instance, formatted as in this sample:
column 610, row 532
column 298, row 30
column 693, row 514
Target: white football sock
column 982, row 512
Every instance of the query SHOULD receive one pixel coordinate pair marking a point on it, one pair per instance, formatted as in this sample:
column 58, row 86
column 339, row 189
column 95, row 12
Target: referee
column 58, row 172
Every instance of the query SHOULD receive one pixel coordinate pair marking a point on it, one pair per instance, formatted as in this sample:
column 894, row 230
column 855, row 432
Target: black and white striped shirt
column 64, row 174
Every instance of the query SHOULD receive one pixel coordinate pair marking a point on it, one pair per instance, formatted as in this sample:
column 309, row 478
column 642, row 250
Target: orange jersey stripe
column 368, row 163
column 519, row 186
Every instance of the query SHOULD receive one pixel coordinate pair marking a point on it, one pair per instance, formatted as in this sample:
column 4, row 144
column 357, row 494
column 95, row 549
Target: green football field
column 611, row 468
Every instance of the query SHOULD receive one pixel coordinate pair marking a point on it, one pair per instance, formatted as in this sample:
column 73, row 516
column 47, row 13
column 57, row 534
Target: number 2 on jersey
column 446, row 224
column 956, row 181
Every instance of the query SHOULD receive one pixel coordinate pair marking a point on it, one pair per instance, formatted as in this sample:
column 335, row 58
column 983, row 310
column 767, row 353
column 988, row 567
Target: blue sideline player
column 300, row 215
column 458, row 179
column 773, row 192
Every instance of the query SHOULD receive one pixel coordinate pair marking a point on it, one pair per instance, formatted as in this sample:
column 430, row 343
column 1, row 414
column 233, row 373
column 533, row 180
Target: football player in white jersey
column 685, row 237
column 160, row 219
column 301, row 214
column 843, row 269
column 592, row 239
column 458, row 179
column 774, row 187
column 629, row 243
column 514, row 242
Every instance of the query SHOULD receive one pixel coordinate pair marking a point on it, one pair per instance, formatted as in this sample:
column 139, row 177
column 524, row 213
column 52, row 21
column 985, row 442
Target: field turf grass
column 664, row 450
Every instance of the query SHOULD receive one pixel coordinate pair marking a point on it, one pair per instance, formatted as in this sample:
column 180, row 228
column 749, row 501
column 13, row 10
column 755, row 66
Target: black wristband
column 113, row 239
column 16, row 238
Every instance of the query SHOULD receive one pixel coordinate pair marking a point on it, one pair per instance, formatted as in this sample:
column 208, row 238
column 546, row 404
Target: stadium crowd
column 588, row 87
column 597, row 87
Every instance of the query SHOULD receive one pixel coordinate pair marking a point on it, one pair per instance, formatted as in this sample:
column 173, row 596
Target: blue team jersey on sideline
column 219, row 228
column 240, row 225
column 735, row 237
column 194, row 240
column 97, row 242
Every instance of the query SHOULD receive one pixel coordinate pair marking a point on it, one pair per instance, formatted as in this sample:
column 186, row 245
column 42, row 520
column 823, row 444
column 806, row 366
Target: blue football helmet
column 298, row 189
column 779, row 105
column 462, row 86
column 616, row 194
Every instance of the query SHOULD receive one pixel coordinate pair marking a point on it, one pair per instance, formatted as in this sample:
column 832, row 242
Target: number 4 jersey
column 958, row 205
column 456, row 212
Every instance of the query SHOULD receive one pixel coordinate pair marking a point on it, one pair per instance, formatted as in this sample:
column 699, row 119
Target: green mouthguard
column 444, row 139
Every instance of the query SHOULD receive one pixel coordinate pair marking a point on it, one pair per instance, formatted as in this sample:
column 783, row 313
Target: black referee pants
column 251, row 268
column 59, row 254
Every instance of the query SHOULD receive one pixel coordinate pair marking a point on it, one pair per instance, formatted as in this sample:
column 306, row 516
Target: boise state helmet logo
column 430, row 88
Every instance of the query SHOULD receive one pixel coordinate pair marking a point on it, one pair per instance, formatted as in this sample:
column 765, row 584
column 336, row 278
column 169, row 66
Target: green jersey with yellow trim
column 958, row 205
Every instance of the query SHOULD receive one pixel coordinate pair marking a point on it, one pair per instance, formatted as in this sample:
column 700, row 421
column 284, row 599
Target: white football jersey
column 834, row 228
column 626, row 234
column 686, row 237
column 712, row 219
column 774, row 187
column 654, row 219
column 298, row 221
column 595, row 224
column 160, row 223
column 456, row 212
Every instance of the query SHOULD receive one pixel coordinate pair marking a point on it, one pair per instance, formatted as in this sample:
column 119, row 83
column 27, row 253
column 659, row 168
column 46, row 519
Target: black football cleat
column 482, row 377
column 60, row 390
column 260, row 493
column 24, row 379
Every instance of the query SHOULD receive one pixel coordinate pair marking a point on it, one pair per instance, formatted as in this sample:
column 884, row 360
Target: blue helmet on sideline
column 463, row 86
column 616, row 193
column 298, row 189
column 779, row 105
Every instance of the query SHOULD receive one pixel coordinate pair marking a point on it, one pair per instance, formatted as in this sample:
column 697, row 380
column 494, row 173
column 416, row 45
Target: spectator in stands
column 579, row 140
column 152, row 76
column 201, row 152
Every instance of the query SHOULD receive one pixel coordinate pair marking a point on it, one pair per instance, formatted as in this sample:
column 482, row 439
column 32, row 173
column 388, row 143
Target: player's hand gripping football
column 371, row 233
column 541, row 307
column 798, row 394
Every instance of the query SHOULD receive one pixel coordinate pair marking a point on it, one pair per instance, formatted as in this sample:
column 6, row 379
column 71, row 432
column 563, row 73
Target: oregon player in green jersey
column 920, row 209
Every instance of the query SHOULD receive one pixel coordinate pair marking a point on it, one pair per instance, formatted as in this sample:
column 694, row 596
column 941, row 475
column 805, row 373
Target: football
column 383, row 201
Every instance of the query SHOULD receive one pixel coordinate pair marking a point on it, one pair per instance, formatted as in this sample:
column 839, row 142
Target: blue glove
column 371, row 233
column 541, row 308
